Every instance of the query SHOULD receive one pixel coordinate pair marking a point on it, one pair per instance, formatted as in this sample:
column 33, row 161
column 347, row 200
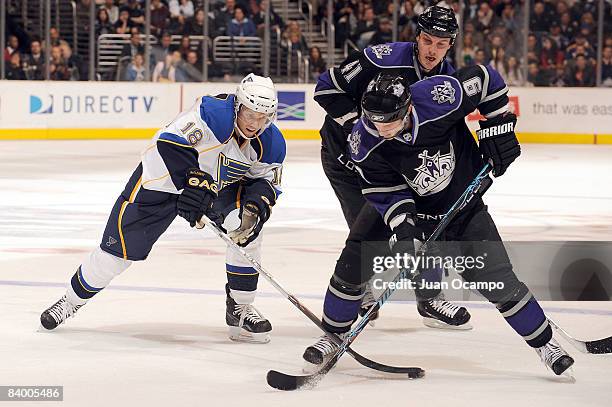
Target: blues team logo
column 435, row 172
column 229, row 171
column 444, row 93
column 41, row 105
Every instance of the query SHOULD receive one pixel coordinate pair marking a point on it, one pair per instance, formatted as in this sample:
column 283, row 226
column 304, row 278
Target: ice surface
column 157, row 335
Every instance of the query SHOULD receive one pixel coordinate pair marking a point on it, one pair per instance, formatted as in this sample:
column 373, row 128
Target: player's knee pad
column 341, row 306
column 523, row 313
column 96, row 272
column 349, row 266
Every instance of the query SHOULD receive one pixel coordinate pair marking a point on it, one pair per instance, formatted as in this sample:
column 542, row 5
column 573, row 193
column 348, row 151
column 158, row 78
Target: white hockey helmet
column 258, row 94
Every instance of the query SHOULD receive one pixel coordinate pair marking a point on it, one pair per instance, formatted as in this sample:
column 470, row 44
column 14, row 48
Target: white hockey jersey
column 203, row 136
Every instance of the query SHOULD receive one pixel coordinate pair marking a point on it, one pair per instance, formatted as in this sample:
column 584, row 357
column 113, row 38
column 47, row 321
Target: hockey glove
column 498, row 143
column 258, row 201
column 197, row 197
column 406, row 238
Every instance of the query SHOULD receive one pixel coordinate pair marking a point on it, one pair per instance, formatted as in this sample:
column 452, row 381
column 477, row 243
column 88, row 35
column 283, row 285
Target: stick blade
column 287, row 382
column 600, row 346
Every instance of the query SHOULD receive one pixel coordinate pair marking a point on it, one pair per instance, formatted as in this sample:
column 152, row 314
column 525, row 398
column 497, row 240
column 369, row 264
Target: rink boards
column 120, row 110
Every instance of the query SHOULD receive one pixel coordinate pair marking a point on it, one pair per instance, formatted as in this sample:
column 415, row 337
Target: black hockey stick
column 283, row 381
column 598, row 346
column 359, row 358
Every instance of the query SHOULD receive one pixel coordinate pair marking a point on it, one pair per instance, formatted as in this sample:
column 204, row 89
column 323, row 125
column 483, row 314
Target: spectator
column 485, row 18
column 58, row 71
column 180, row 12
column 33, row 63
column 136, row 13
column 498, row 62
column 480, row 58
column 508, row 19
column 568, row 27
column 259, row 18
column 134, row 46
column 534, row 77
column 163, row 49
column 73, row 62
column 103, row 24
column 468, row 51
column 317, row 64
column 550, row 56
column 195, row 25
column 493, row 47
column 293, row 38
column 606, row 67
column 539, row 18
column 159, row 17
column 580, row 73
column 471, row 11
column 187, row 70
column 165, row 71
column 112, row 10
column 12, row 46
column 136, row 69
column 366, row 27
column 407, row 17
column 185, row 46
column 54, row 36
column 477, row 36
column 514, row 75
column 384, row 33
column 123, row 24
column 240, row 25
column 13, row 69
column 557, row 37
column 224, row 17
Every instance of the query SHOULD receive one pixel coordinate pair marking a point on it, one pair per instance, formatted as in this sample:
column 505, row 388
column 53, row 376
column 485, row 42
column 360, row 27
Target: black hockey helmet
column 439, row 22
column 386, row 98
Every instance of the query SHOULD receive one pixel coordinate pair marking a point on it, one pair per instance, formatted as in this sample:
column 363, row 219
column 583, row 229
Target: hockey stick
column 595, row 347
column 283, row 381
column 257, row 266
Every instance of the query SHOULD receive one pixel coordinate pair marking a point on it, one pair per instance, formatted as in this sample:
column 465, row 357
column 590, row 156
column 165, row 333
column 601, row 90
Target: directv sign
column 90, row 104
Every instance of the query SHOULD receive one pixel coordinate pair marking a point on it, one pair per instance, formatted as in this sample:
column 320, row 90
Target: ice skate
column 318, row 354
column 246, row 323
column 58, row 313
column 556, row 358
column 442, row 314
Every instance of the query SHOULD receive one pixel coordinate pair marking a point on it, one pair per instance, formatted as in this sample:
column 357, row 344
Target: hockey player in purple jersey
column 415, row 155
column 339, row 92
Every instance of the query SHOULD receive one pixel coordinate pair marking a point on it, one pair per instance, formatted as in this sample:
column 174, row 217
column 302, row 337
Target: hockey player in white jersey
column 221, row 158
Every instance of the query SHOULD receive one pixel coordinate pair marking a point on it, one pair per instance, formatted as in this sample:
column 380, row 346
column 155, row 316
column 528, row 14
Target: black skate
column 368, row 302
column 245, row 323
column 556, row 358
column 319, row 353
column 442, row 314
column 58, row 313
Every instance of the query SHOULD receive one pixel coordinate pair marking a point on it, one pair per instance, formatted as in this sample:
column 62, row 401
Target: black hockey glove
column 498, row 143
column 258, row 201
column 406, row 237
column 197, row 197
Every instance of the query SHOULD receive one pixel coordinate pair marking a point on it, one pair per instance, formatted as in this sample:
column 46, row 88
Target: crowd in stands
column 561, row 42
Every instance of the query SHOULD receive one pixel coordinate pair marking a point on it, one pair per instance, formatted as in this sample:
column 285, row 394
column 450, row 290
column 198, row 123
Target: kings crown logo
column 435, row 172
column 444, row 93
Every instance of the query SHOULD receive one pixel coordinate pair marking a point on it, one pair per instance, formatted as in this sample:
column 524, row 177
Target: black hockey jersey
column 339, row 90
column 426, row 168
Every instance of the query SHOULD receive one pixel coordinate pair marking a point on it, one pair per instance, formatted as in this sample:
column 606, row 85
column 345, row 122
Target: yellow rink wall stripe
column 291, row 134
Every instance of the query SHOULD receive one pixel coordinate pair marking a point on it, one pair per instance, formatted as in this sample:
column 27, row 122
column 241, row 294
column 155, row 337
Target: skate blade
column 310, row 368
column 437, row 324
column 237, row 334
column 568, row 375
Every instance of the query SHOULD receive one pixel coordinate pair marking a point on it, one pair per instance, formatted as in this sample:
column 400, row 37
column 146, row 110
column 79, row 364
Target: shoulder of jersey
column 435, row 97
column 218, row 114
column 391, row 55
column 270, row 146
column 362, row 141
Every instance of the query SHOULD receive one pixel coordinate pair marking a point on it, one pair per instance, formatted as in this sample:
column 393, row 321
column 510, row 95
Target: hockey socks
column 341, row 306
column 526, row 317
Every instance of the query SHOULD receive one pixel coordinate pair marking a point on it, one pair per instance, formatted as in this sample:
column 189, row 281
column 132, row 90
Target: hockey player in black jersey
column 415, row 155
column 339, row 92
